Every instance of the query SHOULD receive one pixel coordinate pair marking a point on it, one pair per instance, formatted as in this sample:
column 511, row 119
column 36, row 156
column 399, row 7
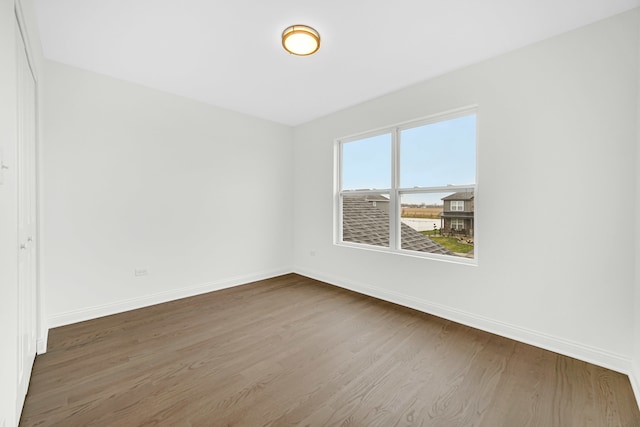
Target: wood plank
column 294, row 351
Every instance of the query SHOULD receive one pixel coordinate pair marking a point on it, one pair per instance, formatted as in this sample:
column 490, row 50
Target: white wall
column 557, row 130
column 136, row 178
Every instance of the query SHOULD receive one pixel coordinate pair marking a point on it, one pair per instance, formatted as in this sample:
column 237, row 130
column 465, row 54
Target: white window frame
column 459, row 205
column 395, row 192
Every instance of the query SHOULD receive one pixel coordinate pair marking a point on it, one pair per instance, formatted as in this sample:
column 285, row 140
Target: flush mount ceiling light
column 301, row 40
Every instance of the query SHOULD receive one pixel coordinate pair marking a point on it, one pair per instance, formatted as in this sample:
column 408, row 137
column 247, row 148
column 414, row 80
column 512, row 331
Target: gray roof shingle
column 460, row 195
column 364, row 223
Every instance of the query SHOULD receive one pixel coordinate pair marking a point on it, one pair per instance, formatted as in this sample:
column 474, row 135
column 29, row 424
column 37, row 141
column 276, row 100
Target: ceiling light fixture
column 301, row 40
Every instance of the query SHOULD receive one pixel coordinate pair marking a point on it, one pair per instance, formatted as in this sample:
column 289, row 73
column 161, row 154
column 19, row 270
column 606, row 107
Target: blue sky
column 436, row 154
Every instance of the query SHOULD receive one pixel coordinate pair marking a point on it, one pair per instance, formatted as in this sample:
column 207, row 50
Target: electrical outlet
column 141, row 272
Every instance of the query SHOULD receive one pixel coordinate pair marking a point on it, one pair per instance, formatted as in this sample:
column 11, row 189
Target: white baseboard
column 41, row 343
column 94, row 312
column 569, row 348
column 634, row 377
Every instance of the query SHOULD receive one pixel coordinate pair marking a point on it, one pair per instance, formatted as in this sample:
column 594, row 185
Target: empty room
column 409, row 213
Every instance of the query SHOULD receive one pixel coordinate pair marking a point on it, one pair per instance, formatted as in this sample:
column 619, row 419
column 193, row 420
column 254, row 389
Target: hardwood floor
column 293, row 351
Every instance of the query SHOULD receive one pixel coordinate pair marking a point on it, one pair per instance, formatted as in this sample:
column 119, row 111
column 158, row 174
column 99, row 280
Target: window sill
column 413, row 254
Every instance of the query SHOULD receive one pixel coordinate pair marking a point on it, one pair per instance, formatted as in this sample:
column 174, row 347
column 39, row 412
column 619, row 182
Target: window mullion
column 394, row 212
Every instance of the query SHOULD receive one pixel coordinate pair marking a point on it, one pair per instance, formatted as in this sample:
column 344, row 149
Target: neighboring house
column 365, row 219
column 379, row 201
column 457, row 214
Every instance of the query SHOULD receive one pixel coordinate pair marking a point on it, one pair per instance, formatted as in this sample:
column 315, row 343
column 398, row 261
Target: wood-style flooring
column 293, row 351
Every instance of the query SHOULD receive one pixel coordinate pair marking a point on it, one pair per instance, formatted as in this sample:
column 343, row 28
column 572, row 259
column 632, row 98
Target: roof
column 364, row 223
column 376, row 198
column 456, row 214
column 460, row 195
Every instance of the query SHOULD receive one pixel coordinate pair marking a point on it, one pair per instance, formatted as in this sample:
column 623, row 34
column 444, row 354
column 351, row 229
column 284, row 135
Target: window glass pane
column 429, row 224
column 366, row 163
column 439, row 154
column 457, row 205
column 365, row 219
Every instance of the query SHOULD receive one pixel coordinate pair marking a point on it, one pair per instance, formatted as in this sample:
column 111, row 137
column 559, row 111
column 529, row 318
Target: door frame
column 41, row 323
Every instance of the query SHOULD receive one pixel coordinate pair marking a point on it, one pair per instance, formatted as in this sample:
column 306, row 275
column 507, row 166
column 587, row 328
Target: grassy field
column 428, row 212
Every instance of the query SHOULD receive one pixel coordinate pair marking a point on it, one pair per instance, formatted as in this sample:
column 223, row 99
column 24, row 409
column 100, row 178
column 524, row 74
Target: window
column 394, row 186
column 457, row 224
column 457, row 205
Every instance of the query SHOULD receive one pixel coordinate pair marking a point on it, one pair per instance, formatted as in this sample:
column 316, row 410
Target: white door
column 27, row 297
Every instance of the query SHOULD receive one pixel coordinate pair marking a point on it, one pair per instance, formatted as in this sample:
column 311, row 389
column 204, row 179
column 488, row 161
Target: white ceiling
column 228, row 53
